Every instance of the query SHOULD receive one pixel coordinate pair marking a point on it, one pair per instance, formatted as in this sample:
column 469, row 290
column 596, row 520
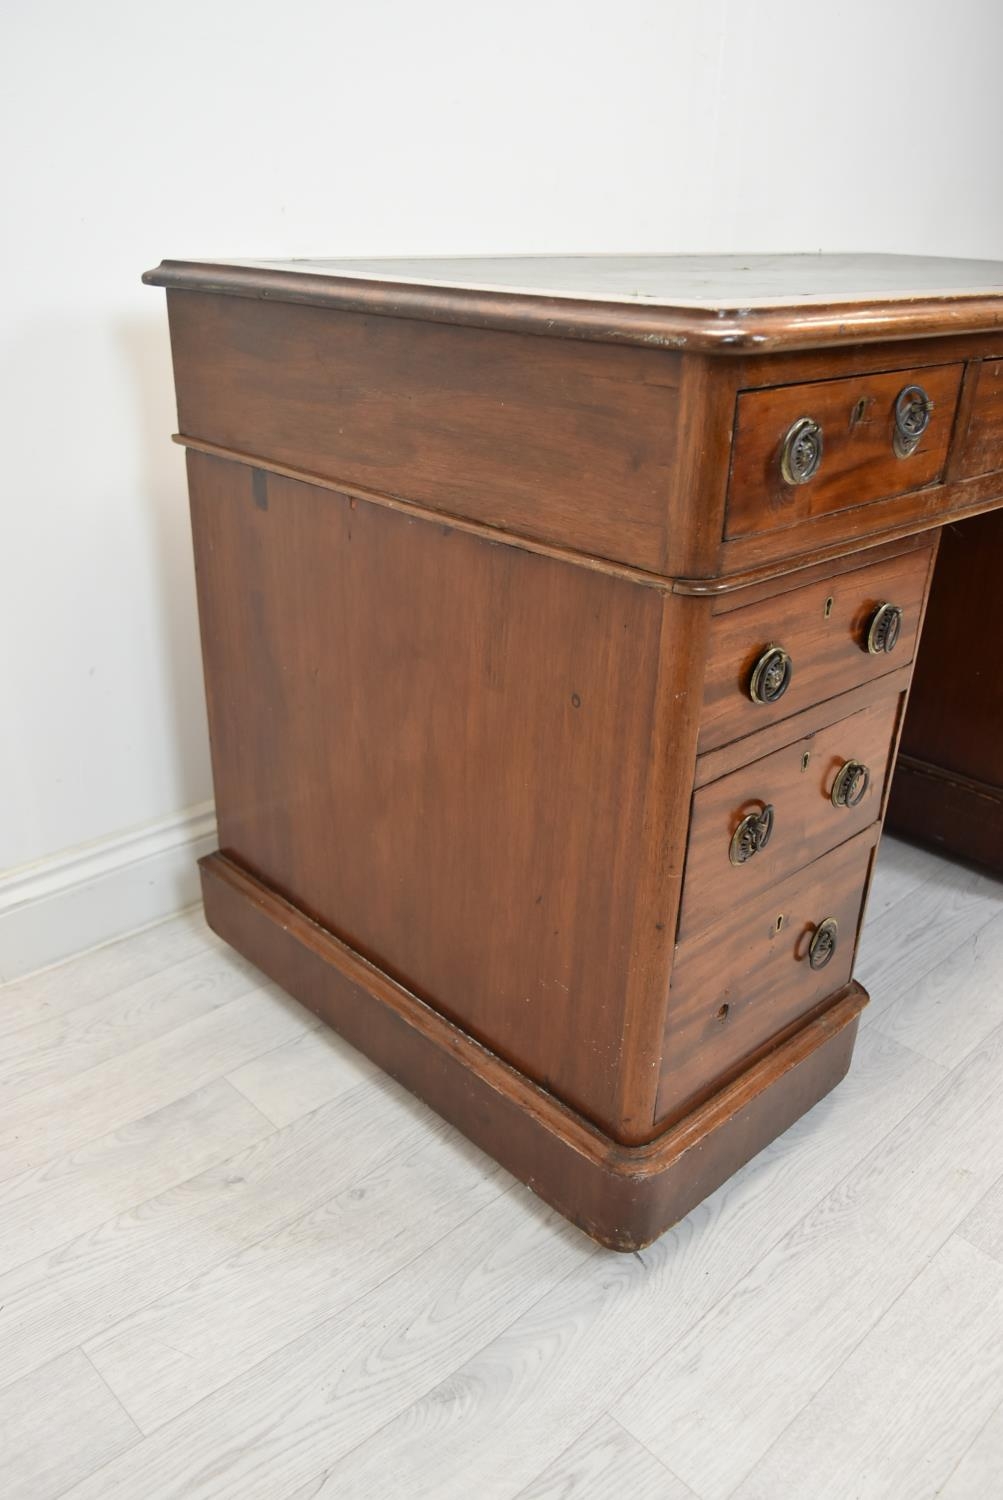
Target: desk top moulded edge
column 938, row 302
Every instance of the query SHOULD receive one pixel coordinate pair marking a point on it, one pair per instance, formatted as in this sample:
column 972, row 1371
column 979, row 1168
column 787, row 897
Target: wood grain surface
column 569, row 443
column 465, row 760
column 797, row 782
column 982, row 444
column 827, row 649
column 859, row 462
column 742, row 982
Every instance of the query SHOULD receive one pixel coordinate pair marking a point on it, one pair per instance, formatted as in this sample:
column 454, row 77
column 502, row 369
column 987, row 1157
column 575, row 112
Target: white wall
column 132, row 132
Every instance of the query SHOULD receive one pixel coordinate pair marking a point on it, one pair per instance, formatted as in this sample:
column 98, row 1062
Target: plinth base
column 623, row 1196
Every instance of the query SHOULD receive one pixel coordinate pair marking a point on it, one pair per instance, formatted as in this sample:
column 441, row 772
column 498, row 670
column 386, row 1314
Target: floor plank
column 57, row 1426
column 901, row 869
column 903, row 943
column 496, row 1420
column 280, row 1423
column 302, row 1284
column 102, row 971
column 893, row 1421
column 308, row 1491
column 92, row 1284
column 55, row 1049
column 54, row 1121
column 164, row 1358
column 310, row 1070
column 719, row 1398
column 954, row 1006
column 984, row 1225
column 48, row 1206
column 606, row 1461
column 977, row 1476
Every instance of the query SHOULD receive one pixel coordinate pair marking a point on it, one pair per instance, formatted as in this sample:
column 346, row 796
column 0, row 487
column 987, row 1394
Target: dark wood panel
column 734, row 591
column 982, row 452
column 784, row 579
column 826, row 538
column 858, row 463
column 743, row 982
column 571, row 443
column 948, row 812
column 827, row 648
column 427, row 513
column 467, row 761
column 952, row 738
column 955, row 716
column 797, row 782
column 731, row 757
column 790, row 367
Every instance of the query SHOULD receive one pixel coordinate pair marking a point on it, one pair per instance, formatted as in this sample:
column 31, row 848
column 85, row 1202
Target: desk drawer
column 747, row 979
column 769, row 659
column 767, row 819
column 850, row 427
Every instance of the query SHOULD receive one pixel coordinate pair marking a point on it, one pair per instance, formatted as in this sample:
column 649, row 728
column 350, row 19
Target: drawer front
column 748, row 978
column 863, row 454
column 761, row 823
column 983, row 448
column 823, row 629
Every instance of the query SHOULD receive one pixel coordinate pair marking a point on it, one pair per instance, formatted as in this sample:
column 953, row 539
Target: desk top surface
column 719, row 302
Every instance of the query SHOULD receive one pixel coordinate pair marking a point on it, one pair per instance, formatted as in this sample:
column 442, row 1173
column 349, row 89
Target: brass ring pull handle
column 912, row 417
column 884, row 629
column 850, row 786
column 823, row 943
column 771, row 676
column 801, row 453
column 751, row 835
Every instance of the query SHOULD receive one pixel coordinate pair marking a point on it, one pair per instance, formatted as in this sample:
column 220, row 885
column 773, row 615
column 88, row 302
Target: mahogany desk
column 558, row 619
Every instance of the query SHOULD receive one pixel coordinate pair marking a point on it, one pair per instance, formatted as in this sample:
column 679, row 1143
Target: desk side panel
column 442, row 749
column 568, row 443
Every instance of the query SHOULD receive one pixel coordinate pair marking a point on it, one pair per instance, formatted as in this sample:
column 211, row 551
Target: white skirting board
column 95, row 892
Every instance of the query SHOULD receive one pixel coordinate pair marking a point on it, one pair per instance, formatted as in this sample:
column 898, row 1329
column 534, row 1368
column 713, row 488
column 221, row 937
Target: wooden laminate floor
column 236, row 1261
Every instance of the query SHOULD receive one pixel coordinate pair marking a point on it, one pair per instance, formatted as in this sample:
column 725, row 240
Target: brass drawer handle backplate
column 884, row 629
column 850, row 786
column 751, row 835
column 771, row 676
column 801, row 453
column 912, row 417
column 823, row 943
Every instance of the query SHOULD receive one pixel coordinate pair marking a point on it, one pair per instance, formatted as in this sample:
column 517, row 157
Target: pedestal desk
column 558, row 619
